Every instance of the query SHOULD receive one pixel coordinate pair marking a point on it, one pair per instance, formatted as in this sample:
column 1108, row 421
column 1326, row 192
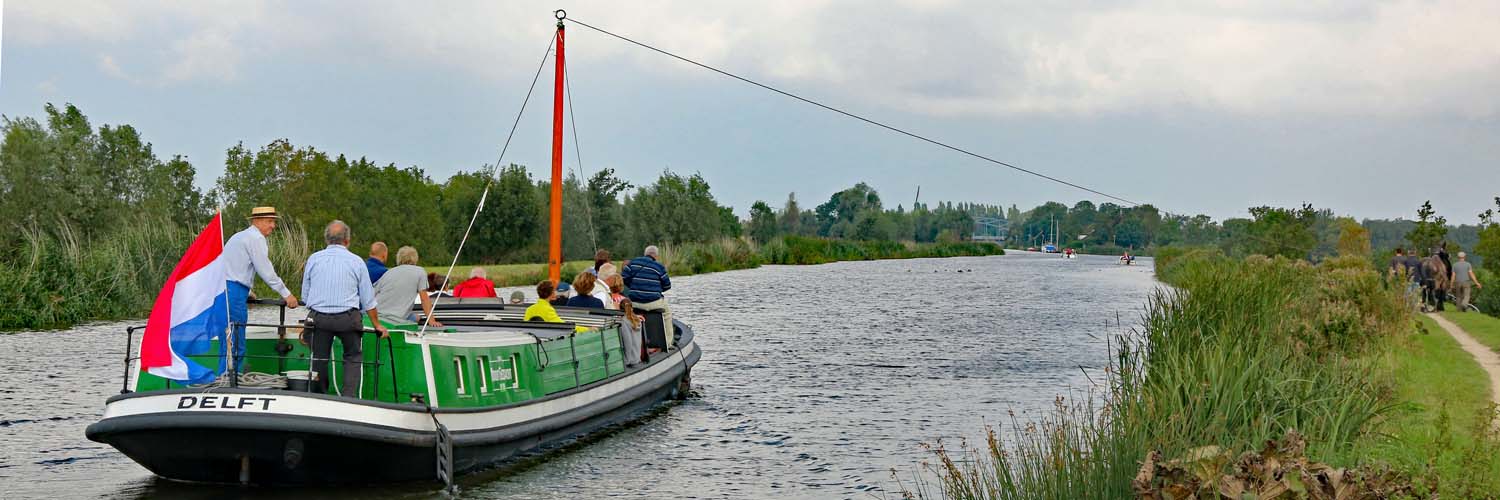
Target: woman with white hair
column 476, row 286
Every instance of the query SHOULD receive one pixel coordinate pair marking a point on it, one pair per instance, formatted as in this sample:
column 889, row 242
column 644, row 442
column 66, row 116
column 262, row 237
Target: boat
column 496, row 386
column 434, row 403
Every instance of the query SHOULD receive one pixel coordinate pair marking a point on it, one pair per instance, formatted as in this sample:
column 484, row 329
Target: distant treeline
column 1302, row 232
column 62, row 170
column 95, row 218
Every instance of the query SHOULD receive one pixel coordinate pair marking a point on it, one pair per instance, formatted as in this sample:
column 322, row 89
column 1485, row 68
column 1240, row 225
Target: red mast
column 554, row 255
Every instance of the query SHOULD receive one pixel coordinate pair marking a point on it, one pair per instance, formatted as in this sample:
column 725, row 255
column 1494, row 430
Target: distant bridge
column 999, row 225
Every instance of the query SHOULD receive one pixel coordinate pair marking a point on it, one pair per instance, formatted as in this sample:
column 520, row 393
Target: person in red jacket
column 476, row 286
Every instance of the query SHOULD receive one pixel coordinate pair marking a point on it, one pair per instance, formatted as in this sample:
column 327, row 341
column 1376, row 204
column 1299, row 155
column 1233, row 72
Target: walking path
column 1486, row 358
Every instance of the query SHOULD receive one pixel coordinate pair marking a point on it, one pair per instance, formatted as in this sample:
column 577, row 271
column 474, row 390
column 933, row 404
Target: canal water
column 816, row 382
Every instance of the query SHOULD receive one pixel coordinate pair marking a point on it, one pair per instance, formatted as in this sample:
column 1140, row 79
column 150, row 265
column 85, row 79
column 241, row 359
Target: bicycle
column 1470, row 307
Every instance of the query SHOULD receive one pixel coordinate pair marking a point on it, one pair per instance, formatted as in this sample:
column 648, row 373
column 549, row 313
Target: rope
column 488, row 182
column 588, row 211
column 852, row 115
column 253, row 380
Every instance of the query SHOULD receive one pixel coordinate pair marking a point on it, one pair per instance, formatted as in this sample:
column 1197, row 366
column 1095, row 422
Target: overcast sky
column 1365, row 107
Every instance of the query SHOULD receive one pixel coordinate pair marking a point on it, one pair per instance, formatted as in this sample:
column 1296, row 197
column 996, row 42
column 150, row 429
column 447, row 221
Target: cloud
column 937, row 57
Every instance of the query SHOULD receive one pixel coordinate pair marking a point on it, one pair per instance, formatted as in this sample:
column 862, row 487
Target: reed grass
column 58, row 277
column 1234, row 354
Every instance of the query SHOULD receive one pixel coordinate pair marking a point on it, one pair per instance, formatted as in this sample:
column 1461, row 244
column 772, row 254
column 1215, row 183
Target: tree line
column 61, row 171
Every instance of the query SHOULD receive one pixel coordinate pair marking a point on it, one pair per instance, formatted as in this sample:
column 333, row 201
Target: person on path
column 336, row 284
column 246, row 255
column 1464, row 281
column 647, row 282
column 376, row 262
column 401, row 287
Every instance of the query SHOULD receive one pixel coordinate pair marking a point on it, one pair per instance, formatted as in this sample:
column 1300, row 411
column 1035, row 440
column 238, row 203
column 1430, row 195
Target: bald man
column 376, row 262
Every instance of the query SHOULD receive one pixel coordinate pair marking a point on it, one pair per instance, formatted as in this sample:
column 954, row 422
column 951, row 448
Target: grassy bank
column 1238, row 353
column 730, row 254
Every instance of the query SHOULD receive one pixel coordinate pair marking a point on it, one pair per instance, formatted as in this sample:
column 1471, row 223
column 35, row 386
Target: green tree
column 763, row 222
column 1429, row 231
column 1488, row 248
column 1281, row 231
column 1354, row 239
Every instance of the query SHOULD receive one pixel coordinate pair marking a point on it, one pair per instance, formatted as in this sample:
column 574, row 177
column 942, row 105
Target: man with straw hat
column 245, row 256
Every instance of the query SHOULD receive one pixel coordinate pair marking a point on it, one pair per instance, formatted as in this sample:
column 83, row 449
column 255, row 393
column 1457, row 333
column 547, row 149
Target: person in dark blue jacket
column 647, row 281
column 376, row 262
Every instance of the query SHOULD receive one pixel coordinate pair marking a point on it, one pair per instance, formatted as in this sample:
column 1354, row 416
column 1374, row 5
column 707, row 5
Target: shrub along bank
column 1236, row 353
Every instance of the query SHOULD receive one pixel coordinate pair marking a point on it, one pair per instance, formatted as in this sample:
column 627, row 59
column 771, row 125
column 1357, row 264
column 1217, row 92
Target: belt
column 346, row 311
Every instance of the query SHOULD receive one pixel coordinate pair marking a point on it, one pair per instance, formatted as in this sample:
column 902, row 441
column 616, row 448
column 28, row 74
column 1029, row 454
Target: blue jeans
column 239, row 313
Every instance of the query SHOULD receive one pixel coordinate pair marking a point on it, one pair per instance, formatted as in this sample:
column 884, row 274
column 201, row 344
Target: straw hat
column 263, row 213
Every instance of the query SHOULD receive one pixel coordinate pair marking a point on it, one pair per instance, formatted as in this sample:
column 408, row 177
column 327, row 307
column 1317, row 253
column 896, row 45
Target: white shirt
column 246, row 255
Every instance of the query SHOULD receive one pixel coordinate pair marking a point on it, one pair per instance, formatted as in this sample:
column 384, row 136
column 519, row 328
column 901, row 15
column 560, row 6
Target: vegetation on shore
column 1240, row 352
column 96, row 218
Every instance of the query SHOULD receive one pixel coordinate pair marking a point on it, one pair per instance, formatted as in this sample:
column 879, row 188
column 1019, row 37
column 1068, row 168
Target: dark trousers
column 347, row 328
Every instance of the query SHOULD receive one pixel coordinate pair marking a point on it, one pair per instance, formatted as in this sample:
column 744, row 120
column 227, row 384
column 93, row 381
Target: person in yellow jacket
column 542, row 310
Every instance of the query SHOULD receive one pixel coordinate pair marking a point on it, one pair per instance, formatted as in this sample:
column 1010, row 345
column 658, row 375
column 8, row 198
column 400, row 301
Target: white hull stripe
column 289, row 404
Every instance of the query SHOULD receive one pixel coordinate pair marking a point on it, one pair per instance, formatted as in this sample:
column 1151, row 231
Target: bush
column 1487, row 299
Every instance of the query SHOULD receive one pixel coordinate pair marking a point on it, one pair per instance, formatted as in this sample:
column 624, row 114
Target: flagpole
column 228, row 335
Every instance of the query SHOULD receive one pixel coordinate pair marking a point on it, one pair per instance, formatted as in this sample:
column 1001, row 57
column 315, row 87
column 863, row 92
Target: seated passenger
column 632, row 337
column 476, row 286
column 616, row 291
column 601, row 285
column 636, row 326
column 435, row 286
column 517, row 297
column 561, row 297
column 400, row 287
column 542, row 310
column 584, row 285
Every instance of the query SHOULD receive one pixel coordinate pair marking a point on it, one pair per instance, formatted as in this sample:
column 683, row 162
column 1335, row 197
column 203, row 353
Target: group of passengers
column 339, row 288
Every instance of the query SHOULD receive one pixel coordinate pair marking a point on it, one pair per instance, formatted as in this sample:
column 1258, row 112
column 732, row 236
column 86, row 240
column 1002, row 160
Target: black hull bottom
column 271, row 456
column 284, row 458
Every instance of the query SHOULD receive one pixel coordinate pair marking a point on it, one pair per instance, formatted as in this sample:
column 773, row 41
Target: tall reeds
column 57, row 277
column 1239, row 352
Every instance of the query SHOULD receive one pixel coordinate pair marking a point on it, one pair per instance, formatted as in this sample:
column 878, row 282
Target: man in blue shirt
column 376, row 262
column 647, row 280
column 336, row 288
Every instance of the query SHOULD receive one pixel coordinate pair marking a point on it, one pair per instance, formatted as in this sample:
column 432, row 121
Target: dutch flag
column 190, row 312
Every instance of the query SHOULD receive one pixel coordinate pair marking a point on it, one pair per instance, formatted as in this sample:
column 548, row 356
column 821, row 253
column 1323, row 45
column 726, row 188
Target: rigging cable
column 490, row 180
column 849, row 114
column 588, row 211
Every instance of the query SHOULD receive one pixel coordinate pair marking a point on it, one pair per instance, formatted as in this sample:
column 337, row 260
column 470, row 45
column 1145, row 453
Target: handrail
column 281, row 328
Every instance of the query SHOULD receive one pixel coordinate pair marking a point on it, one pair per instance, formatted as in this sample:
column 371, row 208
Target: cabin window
column 458, row 374
column 482, row 365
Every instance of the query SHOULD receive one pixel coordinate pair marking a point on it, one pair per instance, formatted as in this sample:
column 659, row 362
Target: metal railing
column 282, row 348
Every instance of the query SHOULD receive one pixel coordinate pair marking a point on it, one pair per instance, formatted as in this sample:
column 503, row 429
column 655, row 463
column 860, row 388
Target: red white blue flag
column 190, row 312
